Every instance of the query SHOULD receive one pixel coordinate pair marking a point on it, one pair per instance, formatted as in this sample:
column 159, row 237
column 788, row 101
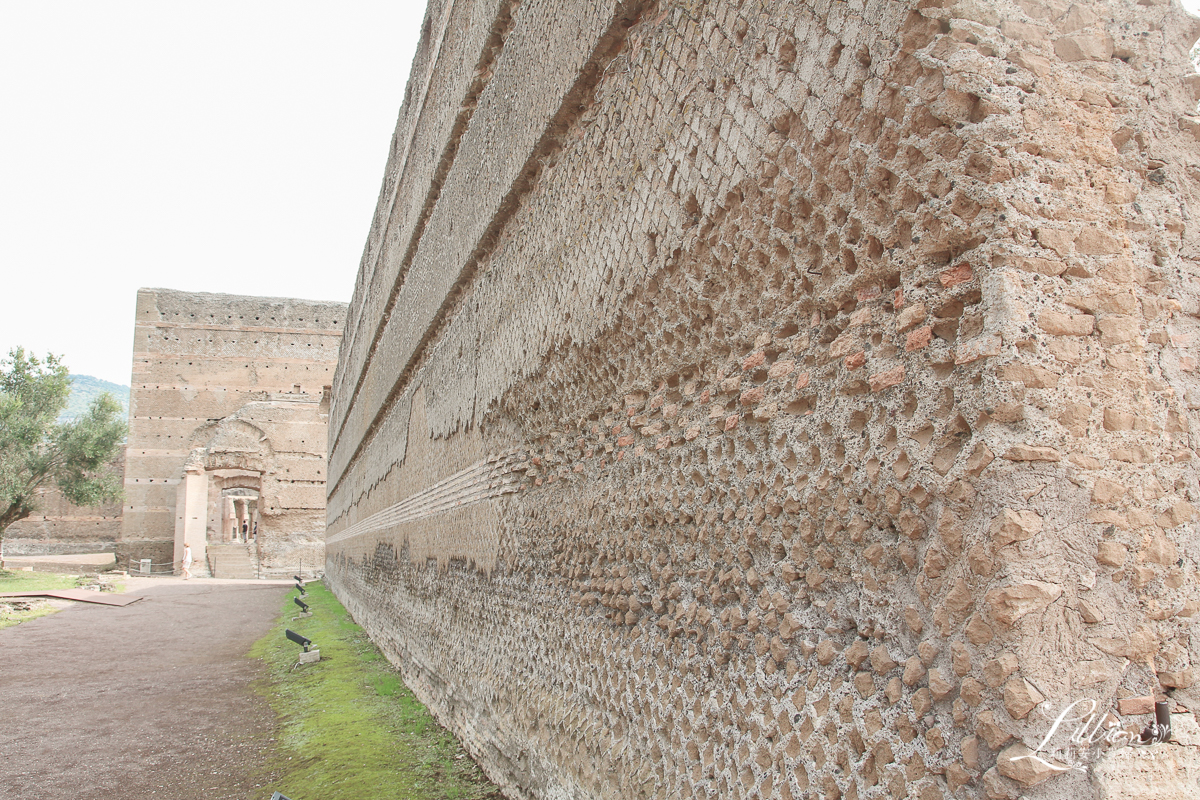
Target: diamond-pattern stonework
column 747, row 399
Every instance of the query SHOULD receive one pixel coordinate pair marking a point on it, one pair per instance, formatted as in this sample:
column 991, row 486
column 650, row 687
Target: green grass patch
column 349, row 727
column 21, row 581
column 386, row 685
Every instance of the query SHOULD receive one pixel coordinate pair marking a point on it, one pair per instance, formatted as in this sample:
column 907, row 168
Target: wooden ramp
column 82, row 595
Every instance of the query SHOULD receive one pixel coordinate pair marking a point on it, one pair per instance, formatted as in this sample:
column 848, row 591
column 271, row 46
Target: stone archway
column 222, row 482
column 233, row 444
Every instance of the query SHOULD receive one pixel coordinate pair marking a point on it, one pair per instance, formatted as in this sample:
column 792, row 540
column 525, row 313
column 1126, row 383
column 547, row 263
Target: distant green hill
column 84, row 388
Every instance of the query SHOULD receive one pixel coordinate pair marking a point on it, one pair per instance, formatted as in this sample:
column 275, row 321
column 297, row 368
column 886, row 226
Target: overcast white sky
column 222, row 146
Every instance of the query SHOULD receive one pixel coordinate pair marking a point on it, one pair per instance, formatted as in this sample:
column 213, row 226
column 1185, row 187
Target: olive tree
column 37, row 451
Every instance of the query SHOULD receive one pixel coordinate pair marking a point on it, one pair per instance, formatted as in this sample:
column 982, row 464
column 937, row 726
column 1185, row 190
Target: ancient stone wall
column 240, row 386
column 59, row 527
column 780, row 399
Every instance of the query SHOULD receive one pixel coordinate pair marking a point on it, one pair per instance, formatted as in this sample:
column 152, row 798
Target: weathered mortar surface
column 221, row 371
column 804, row 402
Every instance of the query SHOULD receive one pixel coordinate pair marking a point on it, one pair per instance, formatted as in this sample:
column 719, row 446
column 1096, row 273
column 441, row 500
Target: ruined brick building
column 782, row 399
column 227, row 431
column 60, row 527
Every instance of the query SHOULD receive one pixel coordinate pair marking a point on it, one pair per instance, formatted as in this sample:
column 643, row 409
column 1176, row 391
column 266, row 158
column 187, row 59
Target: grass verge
column 349, row 727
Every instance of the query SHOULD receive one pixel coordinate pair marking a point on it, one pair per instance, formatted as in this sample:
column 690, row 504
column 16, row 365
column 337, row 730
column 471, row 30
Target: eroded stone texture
column 228, row 412
column 778, row 399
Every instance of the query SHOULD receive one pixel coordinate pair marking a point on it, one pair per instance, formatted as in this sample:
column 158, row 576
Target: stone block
column 1025, row 767
column 1020, row 697
column 1111, row 554
column 1059, row 324
column 1015, row 525
column 1013, row 602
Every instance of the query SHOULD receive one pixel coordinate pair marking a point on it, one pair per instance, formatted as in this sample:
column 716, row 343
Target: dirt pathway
column 152, row 700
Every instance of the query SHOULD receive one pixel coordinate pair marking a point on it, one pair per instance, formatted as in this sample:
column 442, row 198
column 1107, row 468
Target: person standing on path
column 186, row 572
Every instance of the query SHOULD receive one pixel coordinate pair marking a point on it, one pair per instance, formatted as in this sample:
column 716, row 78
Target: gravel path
column 152, row 700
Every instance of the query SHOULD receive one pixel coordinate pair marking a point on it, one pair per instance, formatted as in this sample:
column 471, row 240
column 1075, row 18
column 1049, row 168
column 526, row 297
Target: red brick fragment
column 919, row 338
column 956, row 275
column 887, row 378
column 753, row 396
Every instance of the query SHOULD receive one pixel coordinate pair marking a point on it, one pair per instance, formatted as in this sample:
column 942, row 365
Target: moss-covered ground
column 350, row 728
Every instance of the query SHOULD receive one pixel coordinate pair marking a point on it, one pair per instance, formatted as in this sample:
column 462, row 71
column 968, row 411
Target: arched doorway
column 218, row 504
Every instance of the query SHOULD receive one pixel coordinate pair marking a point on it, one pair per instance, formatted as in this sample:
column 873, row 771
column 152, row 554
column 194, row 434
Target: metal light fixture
column 303, row 641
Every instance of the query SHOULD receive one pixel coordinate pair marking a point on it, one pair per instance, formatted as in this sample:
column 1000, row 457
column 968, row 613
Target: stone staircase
column 232, row 561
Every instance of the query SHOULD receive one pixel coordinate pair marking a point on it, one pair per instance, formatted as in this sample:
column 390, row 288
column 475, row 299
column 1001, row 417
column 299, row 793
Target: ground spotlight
column 300, row 586
column 303, row 641
column 305, row 611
